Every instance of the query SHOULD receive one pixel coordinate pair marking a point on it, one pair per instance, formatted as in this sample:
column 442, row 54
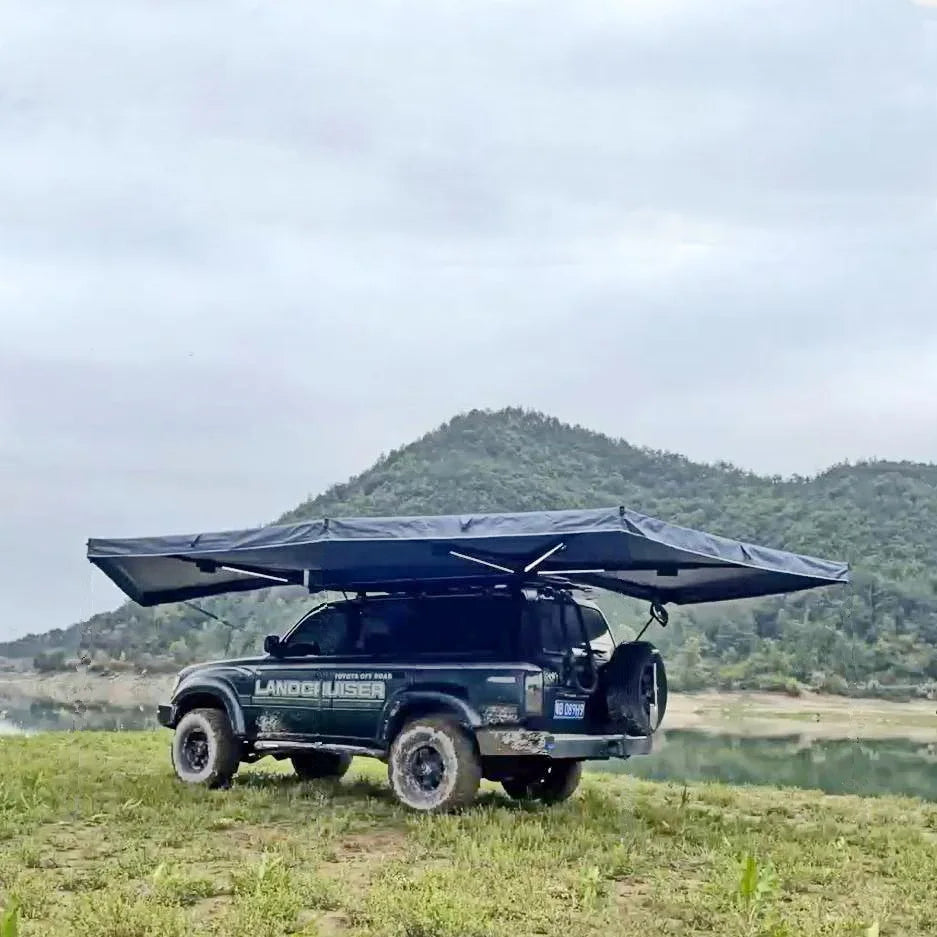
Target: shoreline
column 811, row 716
column 749, row 713
column 123, row 689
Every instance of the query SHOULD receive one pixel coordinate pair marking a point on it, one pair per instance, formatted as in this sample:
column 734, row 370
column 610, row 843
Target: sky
column 246, row 247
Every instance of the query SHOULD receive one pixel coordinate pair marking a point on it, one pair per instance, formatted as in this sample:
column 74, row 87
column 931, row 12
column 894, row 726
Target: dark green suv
column 516, row 685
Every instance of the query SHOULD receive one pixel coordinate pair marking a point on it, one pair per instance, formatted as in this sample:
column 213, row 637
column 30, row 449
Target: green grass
column 97, row 839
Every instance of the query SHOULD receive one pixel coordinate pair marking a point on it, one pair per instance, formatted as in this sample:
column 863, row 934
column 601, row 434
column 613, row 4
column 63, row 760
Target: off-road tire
column 626, row 690
column 204, row 748
column 553, row 784
column 311, row 766
column 433, row 765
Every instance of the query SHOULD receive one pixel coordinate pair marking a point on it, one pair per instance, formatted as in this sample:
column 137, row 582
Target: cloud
column 245, row 248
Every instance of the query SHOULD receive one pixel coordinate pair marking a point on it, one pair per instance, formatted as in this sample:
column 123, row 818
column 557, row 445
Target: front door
column 291, row 692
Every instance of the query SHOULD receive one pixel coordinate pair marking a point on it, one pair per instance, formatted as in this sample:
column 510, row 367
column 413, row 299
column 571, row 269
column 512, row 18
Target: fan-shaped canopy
column 613, row 548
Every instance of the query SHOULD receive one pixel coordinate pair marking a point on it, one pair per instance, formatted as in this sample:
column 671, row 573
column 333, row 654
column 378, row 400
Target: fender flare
column 396, row 710
column 209, row 686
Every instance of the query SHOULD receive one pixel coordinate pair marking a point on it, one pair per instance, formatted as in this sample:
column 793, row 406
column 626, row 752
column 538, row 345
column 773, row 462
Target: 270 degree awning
column 614, row 549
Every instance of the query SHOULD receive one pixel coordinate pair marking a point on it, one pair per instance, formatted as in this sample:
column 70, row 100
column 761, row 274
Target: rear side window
column 382, row 626
column 551, row 626
column 456, row 625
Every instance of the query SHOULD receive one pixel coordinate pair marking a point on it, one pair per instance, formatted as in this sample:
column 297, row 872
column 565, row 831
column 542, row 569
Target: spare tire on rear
column 634, row 683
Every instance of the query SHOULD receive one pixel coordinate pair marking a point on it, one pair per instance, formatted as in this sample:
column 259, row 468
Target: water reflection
column 46, row 716
column 836, row 766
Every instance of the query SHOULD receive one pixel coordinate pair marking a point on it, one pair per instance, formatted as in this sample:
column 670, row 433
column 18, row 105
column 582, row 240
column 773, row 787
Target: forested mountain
column 880, row 516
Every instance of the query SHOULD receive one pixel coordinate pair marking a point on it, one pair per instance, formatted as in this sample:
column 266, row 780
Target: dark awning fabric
column 614, row 548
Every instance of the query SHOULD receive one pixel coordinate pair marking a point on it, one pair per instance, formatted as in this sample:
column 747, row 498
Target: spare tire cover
column 632, row 681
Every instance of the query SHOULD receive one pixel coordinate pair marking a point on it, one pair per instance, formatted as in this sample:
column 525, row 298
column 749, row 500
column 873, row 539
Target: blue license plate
column 568, row 709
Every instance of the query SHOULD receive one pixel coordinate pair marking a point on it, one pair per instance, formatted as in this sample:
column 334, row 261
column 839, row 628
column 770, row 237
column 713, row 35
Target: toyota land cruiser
column 516, row 685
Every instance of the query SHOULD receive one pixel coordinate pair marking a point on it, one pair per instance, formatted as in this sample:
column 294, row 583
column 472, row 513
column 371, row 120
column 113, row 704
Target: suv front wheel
column 433, row 765
column 204, row 749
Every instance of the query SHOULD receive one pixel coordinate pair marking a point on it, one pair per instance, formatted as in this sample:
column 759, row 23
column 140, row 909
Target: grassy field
column 98, row 840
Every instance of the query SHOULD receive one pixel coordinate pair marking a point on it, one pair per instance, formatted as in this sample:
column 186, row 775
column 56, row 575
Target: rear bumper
column 164, row 716
column 518, row 741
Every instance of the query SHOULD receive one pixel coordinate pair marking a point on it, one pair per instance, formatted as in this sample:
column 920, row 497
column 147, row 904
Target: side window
column 382, row 626
column 324, row 633
column 436, row 627
column 467, row 625
column 596, row 627
column 551, row 626
column 600, row 637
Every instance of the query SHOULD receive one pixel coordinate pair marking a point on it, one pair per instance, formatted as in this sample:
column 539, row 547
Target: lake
column 836, row 766
column 46, row 716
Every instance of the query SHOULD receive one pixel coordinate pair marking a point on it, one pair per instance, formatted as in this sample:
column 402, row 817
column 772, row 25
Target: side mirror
column 272, row 644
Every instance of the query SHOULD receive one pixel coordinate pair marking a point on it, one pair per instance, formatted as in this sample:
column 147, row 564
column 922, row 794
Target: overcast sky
column 246, row 247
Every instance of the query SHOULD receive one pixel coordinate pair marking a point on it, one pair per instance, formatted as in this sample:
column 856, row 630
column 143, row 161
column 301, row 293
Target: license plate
column 568, row 709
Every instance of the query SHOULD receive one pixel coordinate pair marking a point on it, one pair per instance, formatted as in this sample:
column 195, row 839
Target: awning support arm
column 251, row 572
column 212, row 566
column 481, row 562
column 524, row 571
column 530, row 567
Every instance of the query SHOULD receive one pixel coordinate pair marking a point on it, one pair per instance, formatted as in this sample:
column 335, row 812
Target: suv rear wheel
column 551, row 784
column 204, row 749
column 433, row 765
column 310, row 766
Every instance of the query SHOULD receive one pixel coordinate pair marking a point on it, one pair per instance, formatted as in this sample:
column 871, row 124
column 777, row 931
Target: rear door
column 566, row 707
column 358, row 683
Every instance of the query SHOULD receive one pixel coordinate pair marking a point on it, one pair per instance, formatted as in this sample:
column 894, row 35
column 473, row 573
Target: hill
column 880, row 516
